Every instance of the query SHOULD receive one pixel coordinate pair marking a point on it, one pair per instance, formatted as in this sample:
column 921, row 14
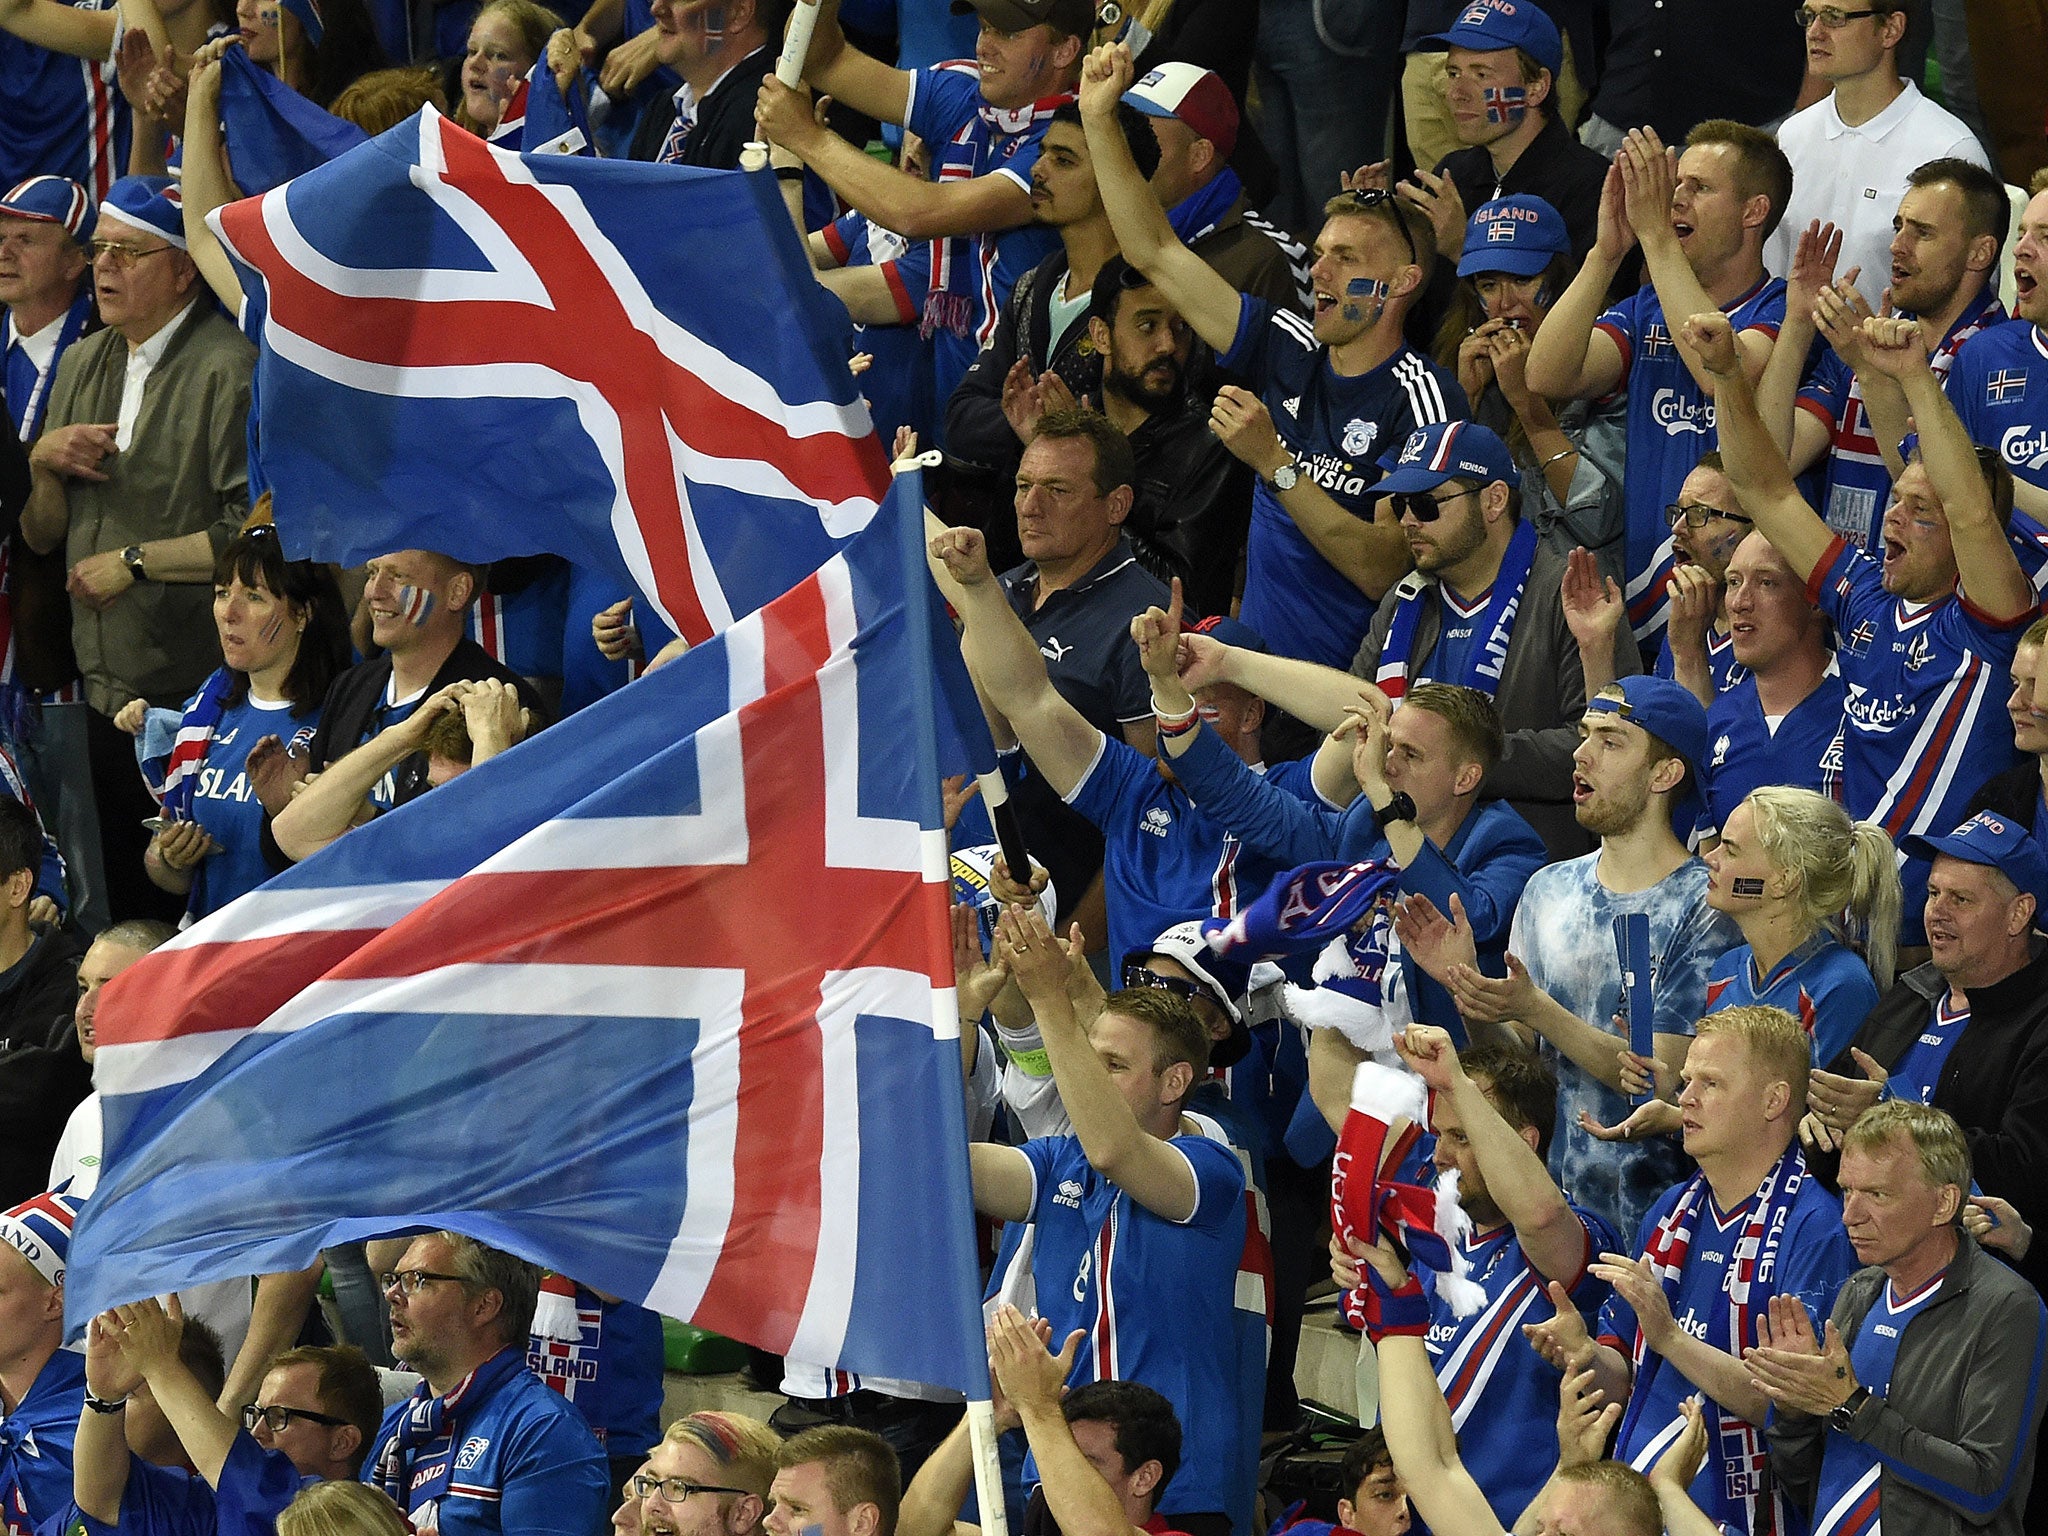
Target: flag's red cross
column 783, row 917
column 586, row 336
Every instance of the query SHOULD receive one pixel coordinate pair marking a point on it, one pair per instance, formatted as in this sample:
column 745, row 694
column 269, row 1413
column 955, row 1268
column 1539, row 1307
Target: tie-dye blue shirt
column 1564, row 933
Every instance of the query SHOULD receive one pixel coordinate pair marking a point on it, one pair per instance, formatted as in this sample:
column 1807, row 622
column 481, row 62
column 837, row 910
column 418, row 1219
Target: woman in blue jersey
column 1790, row 865
column 284, row 638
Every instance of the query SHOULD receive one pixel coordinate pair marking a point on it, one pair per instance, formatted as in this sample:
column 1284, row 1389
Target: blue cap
column 1232, row 632
column 51, row 200
column 1447, row 450
column 1666, row 709
column 1998, row 841
column 1520, row 235
column 146, row 202
column 1488, row 26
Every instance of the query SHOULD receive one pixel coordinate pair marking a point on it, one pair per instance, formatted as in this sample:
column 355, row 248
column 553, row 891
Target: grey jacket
column 1956, row 1427
column 1541, row 696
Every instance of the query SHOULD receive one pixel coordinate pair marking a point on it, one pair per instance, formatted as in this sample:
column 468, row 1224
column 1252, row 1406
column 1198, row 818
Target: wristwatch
column 1400, row 808
column 1286, row 475
column 132, row 558
column 1844, row 1413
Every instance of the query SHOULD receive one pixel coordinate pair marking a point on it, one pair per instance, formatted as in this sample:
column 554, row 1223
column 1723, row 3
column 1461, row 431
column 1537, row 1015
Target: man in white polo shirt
column 1852, row 150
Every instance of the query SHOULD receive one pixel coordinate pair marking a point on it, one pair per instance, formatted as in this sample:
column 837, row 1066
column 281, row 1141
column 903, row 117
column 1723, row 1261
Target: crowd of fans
column 1519, row 514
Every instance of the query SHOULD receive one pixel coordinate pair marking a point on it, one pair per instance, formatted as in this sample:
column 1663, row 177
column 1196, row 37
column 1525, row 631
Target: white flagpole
column 988, row 1468
column 789, row 69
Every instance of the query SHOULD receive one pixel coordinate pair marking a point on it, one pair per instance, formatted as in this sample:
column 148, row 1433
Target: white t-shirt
column 1854, row 178
column 224, row 1304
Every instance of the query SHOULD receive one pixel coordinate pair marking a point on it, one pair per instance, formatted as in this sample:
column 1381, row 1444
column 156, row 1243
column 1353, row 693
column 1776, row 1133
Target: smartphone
column 158, row 823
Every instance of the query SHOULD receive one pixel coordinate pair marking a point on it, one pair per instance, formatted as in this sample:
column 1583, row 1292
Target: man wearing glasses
column 482, row 1445
column 1330, row 395
column 141, row 475
column 1852, row 150
column 709, row 1476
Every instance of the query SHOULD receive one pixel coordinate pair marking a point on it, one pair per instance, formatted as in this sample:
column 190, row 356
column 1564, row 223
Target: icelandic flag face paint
column 1363, row 294
column 415, row 604
column 1504, row 103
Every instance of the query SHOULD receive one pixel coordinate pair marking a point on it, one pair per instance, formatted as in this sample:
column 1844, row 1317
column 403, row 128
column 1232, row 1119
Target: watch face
column 1285, row 476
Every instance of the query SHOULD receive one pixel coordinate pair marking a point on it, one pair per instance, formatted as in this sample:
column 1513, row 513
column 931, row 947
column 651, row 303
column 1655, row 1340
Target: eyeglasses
column 675, row 1489
column 1697, row 514
column 278, row 1417
column 1425, row 508
column 410, row 1281
column 1134, row 974
column 1829, row 18
column 1374, row 197
column 122, row 254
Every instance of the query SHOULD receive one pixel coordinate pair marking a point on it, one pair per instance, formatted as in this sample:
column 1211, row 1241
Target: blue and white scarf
column 1489, row 652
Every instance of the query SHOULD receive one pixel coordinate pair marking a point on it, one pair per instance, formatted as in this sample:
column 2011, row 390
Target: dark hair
column 1986, row 209
column 492, row 1269
column 1368, row 1453
column 1115, row 464
column 860, row 1468
column 1520, row 1084
column 1147, row 1428
column 1177, row 1031
column 1762, row 169
column 199, row 1351
column 347, row 1387
column 21, row 838
column 1137, row 129
column 255, row 558
column 348, row 49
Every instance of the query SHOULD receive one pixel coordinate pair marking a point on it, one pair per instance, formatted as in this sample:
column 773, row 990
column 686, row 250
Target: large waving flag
column 662, row 1001
column 627, row 365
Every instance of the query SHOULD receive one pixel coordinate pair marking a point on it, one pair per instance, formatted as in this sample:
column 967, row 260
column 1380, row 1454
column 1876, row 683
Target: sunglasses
column 1423, row 507
column 1134, row 974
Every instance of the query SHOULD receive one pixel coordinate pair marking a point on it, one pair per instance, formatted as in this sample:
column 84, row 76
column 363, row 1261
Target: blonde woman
column 1790, row 865
column 341, row 1509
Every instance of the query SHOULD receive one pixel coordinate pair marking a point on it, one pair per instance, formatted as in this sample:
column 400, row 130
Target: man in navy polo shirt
column 1331, row 394
column 1702, row 227
column 1165, row 862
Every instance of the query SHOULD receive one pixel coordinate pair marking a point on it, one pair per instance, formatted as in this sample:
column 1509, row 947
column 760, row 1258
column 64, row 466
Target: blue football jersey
column 1846, row 1502
column 1917, row 1072
column 1337, row 428
column 61, row 116
column 1722, row 666
column 1744, row 753
column 1156, row 1300
column 1670, row 424
column 1999, row 386
column 1924, row 724
column 611, row 1371
column 1823, row 984
column 1502, row 1394
column 1813, row 1259
column 225, row 804
column 1858, row 486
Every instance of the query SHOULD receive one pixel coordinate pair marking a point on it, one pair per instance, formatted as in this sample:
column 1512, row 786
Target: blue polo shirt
column 1337, row 428
column 1670, row 424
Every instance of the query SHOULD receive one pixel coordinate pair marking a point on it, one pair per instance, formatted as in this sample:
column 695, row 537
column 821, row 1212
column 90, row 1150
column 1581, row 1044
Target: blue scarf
column 953, row 298
column 1305, row 908
column 1201, row 211
column 172, row 770
column 418, row 1461
column 1490, row 653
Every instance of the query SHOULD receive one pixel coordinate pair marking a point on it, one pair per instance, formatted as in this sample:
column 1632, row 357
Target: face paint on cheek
column 1361, row 293
column 1745, row 885
column 1505, row 103
column 273, row 629
column 414, row 605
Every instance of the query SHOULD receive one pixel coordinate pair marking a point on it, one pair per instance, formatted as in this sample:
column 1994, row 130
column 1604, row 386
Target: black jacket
column 1555, row 167
column 2012, row 794
column 977, row 431
column 1995, row 1081
column 42, row 1076
column 725, row 118
column 348, row 714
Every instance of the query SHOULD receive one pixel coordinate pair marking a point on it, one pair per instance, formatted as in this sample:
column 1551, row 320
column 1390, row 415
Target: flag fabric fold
column 271, row 131
column 661, row 1001
column 627, row 365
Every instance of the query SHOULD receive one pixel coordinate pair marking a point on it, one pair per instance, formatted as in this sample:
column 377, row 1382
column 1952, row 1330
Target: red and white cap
column 1197, row 96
